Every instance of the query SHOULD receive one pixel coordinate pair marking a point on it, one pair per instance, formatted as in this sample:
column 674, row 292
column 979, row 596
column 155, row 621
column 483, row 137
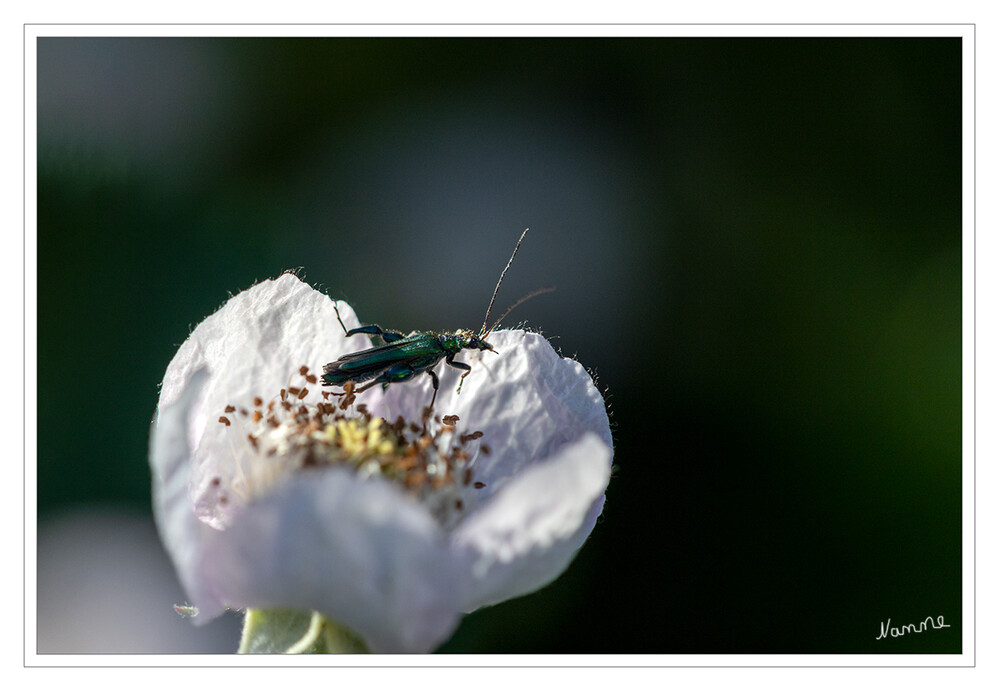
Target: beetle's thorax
column 455, row 342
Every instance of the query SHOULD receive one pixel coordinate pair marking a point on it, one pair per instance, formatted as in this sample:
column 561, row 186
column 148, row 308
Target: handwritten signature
column 896, row 631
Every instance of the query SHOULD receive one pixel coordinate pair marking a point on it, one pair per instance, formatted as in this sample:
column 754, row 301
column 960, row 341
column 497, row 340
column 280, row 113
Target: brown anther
column 465, row 438
column 224, row 420
column 479, row 485
column 312, row 379
column 257, row 401
column 216, row 481
column 466, row 476
column 450, row 420
column 284, row 394
column 458, row 505
column 303, row 393
column 293, row 390
column 257, row 416
column 405, row 463
column 415, row 479
column 485, row 449
column 244, row 412
column 230, row 409
column 303, row 370
column 348, row 395
column 253, row 441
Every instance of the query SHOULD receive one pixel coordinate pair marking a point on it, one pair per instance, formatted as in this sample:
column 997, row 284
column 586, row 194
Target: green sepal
column 280, row 631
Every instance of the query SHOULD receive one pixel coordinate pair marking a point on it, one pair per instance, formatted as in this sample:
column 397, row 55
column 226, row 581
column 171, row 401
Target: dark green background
column 757, row 244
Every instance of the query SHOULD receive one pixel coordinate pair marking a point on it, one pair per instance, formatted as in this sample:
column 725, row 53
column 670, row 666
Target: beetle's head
column 477, row 342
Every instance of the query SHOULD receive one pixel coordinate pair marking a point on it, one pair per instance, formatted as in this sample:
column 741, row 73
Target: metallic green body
column 401, row 357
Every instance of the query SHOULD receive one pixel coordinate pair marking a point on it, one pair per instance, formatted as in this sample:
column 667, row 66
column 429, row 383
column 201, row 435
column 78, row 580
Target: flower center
column 429, row 459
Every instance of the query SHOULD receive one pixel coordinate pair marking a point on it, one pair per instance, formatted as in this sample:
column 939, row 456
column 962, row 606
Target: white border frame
column 964, row 31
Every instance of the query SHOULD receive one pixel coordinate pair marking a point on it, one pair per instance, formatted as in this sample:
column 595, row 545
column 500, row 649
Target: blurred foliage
column 758, row 249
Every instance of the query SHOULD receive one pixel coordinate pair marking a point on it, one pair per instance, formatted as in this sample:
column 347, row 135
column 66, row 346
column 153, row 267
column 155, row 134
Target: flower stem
column 290, row 631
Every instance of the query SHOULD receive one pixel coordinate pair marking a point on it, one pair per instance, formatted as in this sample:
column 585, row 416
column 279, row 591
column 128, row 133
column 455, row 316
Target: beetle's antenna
column 496, row 290
column 521, row 301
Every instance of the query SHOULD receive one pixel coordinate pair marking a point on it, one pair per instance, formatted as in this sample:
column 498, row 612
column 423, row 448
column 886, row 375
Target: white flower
column 255, row 517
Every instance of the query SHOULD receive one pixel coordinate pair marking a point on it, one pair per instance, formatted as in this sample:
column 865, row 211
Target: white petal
column 258, row 339
column 525, row 535
column 359, row 551
column 170, row 458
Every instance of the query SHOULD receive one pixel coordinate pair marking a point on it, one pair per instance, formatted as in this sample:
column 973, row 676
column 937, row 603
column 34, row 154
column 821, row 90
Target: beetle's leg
column 458, row 365
column 436, row 382
column 372, row 330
